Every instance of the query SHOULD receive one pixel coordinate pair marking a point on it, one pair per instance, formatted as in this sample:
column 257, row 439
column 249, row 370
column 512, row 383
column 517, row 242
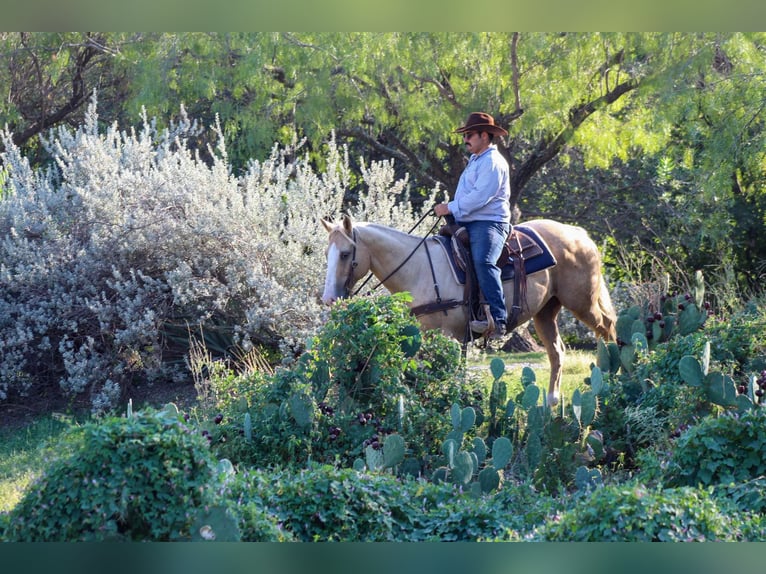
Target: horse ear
column 347, row 224
column 327, row 225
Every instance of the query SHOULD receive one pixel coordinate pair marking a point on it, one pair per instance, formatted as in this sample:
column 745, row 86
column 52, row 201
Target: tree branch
column 79, row 91
column 546, row 150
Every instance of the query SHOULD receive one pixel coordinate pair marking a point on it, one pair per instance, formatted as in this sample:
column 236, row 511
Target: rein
column 406, row 259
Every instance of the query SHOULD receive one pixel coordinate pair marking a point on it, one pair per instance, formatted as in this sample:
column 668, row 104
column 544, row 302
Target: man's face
column 475, row 142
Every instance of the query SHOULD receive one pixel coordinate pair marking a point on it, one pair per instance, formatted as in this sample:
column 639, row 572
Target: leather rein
column 425, row 309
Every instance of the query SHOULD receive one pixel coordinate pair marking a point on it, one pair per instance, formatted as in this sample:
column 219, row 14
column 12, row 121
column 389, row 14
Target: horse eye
column 345, row 255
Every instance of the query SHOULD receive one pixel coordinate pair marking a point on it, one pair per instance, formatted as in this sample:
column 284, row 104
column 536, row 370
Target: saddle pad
column 532, row 265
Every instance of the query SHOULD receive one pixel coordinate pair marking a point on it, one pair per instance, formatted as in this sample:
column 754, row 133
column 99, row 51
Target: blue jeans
column 487, row 239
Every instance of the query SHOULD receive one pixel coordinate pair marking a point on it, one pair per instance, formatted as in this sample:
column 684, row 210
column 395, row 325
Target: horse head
column 342, row 262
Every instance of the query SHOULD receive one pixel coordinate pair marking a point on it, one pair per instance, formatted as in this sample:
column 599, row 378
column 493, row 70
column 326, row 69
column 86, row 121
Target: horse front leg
column 547, row 329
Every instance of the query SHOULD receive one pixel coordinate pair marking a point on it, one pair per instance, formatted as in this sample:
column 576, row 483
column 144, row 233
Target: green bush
column 369, row 373
column 634, row 513
column 722, row 450
column 138, row 478
column 259, row 525
column 740, row 340
column 323, row 503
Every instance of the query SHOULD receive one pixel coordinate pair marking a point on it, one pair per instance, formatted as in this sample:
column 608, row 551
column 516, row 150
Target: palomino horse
column 403, row 262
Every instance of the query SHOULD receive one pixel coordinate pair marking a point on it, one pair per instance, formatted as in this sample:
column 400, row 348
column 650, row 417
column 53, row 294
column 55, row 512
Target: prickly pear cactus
column 480, row 449
column 463, row 469
column 608, row 356
column 489, row 479
column 374, row 458
column 393, row 451
column 534, row 450
column 584, row 406
column 301, row 409
column 248, row 427
column 379, row 459
column 530, row 397
column 528, row 377
column 502, row 451
column 719, row 388
column 690, row 318
column 588, row 478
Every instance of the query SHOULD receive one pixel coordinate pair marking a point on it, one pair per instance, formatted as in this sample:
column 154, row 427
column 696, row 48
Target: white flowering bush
column 129, row 242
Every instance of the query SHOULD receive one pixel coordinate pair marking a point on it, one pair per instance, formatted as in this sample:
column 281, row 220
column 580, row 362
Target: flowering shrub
column 128, row 242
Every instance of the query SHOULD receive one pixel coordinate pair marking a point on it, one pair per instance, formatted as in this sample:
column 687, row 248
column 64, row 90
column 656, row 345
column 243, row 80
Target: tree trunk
column 521, row 341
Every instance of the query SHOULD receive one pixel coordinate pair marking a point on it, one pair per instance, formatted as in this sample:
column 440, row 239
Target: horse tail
column 607, row 327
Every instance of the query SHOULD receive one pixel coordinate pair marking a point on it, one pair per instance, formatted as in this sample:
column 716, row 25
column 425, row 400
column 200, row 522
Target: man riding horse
column 482, row 205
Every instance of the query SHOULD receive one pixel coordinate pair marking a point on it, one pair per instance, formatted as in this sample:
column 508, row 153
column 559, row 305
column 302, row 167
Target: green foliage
column 464, row 461
column 138, row 478
column 364, row 343
column 721, row 450
column 685, row 375
column 369, row 376
column 634, row 513
column 323, row 503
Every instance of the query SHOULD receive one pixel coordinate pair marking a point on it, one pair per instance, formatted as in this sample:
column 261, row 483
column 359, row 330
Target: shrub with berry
column 370, row 373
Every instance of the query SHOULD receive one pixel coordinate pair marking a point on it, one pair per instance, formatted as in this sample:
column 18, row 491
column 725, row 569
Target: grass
column 24, row 452
column 576, row 367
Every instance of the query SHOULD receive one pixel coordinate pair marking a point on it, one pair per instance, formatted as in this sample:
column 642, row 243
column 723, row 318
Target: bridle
column 438, row 306
column 350, row 277
column 354, row 264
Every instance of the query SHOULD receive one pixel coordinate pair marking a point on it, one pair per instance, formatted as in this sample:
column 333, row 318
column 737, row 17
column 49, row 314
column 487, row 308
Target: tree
column 49, row 77
column 657, row 136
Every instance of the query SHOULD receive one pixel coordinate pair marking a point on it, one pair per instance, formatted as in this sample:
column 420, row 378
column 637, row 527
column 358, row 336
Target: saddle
column 519, row 246
column 524, row 252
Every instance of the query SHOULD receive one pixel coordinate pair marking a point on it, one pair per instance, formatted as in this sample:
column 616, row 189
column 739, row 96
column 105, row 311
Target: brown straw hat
column 481, row 122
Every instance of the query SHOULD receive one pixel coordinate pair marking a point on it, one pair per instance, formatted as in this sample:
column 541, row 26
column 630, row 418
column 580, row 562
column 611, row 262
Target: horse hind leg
column 608, row 329
column 547, row 329
column 600, row 315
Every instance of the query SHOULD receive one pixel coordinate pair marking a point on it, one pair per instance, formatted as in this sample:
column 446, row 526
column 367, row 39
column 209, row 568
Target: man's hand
column 441, row 209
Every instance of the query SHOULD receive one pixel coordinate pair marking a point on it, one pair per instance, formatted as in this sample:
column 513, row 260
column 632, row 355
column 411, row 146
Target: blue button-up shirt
column 484, row 190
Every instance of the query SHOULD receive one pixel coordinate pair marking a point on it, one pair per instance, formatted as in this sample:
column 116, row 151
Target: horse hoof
column 553, row 399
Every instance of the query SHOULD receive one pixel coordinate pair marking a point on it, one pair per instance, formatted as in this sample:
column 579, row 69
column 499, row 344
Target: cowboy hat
column 481, row 122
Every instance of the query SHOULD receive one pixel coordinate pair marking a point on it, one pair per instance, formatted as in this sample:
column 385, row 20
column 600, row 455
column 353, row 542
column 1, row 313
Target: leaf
column 589, row 406
column 502, row 451
column 530, row 397
column 463, row 469
column 480, row 448
column 489, row 480
column 467, row 419
column 497, row 367
column 393, row 450
column 374, row 458
column 449, row 448
column 527, row 376
column 596, row 380
column 455, row 415
column 691, row 371
column 604, row 358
